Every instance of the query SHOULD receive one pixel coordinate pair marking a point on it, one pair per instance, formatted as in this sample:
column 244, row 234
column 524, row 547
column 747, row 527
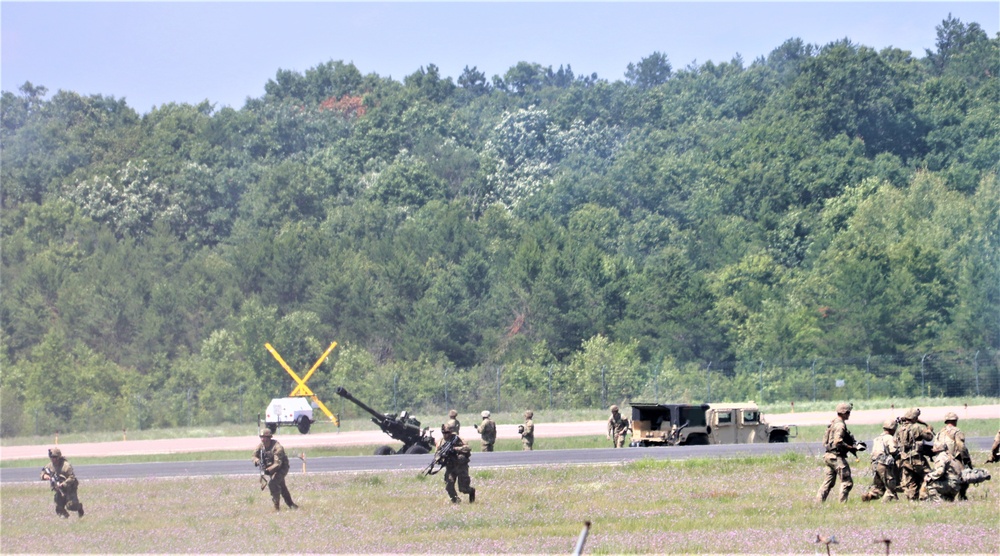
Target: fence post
column 868, row 375
column 813, row 369
column 604, row 388
column 975, row 369
column 708, row 383
column 760, row 375
column 922, row 383
column 446, row 404
column 498, row 388
column 395, row 387
column 550, row 385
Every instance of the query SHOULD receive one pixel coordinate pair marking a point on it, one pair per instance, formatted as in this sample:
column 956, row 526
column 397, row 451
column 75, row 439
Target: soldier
column 838, row 442
column 617, row 428
column 453, row 419
column 885, row 455
column 456, row 464
column 953, row 437
column 527, row 431
column 945, row 477
column 271, row 455
column 62, row 479
column 910, row 436
column 995, row 450
column 487, row 429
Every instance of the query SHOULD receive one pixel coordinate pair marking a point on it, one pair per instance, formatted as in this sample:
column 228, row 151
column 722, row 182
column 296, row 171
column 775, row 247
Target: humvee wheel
column 384, row 451
column 417, row 449
column 697, row 440
column 304, row 425
column 779, row 436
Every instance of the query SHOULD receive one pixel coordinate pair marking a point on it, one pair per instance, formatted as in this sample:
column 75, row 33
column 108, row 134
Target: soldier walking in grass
column 617, row 428
column 838, row 442
column 954, row 439
column 456, row 463
column 487, row 430
column 59, row 473
column 885, row 456
column 910, row 437
column 270, row 455
column 527, row 431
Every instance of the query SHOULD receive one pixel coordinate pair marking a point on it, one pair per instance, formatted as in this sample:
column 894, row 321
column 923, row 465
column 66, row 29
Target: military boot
column 277, row 506
column 79, row 509
column 472, row 495
column 62, row 513
column 455, row 500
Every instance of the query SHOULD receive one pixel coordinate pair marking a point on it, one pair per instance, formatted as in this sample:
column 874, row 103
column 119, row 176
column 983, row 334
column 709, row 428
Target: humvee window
column 751, row 416
column 725, row 418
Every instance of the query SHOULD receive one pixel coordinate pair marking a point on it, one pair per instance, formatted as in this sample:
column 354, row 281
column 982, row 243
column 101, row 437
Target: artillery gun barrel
column 343, row 393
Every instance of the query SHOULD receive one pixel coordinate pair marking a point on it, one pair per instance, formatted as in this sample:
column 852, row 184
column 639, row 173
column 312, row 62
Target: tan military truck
column 688, row 425
column 743, row 423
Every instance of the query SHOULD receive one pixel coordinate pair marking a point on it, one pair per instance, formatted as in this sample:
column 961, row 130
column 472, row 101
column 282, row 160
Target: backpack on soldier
column 828, row 444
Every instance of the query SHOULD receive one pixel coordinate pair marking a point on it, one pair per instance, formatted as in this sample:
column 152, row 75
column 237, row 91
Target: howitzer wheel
column 384, row 451
column 417, row 449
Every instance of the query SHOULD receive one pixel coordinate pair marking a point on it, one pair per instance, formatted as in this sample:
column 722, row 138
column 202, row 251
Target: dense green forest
column 537, row 235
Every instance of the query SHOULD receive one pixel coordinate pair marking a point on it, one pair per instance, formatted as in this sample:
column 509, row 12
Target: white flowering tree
column 129, row 201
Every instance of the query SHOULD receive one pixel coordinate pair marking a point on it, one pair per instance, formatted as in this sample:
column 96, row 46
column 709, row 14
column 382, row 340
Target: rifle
column 264, row 479
column 53, row 480
column 446, row 451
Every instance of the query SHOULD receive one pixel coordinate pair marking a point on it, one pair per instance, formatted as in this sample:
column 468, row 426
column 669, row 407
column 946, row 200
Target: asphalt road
column 415, row 463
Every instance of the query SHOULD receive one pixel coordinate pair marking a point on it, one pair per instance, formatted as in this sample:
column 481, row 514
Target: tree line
column 821, row 201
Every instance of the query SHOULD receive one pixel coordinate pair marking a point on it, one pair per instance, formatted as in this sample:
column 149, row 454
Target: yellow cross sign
column 301, row 389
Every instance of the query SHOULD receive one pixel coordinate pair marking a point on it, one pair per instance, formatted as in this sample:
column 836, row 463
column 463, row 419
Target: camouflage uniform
column 885, row 455
column 528, row 431
column 617, row 428
column 456, row 465
column 945, row 477
column 837, row 441
column 453, row 420
column 910, row 437
column 60, row 468
column 995, row 450
column 954, row 439
column 276, row 466
column 487, row 429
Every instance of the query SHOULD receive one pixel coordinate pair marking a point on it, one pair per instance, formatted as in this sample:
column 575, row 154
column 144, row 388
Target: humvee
column 743, row 423
column 689, row 425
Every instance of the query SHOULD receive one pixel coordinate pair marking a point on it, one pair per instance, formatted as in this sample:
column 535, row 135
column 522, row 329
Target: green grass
column 740, row 505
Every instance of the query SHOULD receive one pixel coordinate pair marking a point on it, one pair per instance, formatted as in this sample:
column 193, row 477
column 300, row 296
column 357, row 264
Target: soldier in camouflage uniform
column 66, row 483
column 617, row 428
column 271, row 455
column 456, row 464
column 995, row 450
column 910, row 436
column 527, row 431
column 453, row 419
column 953, row 437
column 885, row 455
column 487, row 430
column 838, row 442
column 944, row 480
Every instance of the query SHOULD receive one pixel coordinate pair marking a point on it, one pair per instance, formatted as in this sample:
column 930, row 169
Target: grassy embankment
column 739, row 505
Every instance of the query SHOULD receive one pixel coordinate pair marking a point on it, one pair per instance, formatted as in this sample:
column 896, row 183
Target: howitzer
column 442, row 455
column 53, row 480
column 402, row 427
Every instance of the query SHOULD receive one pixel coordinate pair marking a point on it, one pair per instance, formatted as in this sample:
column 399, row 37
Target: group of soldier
column 907, row 458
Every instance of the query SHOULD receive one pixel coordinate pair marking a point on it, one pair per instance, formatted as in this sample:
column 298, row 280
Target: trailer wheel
column 273, row 427
column 417, row 449
column 304, row 424
column 384, row 451
column 696, row 440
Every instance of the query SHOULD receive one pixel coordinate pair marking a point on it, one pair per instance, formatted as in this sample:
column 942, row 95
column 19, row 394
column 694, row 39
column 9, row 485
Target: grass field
column 740, row 505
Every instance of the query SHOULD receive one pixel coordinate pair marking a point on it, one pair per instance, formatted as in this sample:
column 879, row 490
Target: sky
column 152, row 53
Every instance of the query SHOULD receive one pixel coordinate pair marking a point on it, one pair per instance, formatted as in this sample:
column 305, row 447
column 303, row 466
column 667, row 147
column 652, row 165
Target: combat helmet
column 55, row 453
column 843, row 408
column 614, row 409
column 950, row 416
column 889, row 425
column 529, row 414
column 452, row 414
column 912, row 414
column 266, row 433
column 486, row 414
